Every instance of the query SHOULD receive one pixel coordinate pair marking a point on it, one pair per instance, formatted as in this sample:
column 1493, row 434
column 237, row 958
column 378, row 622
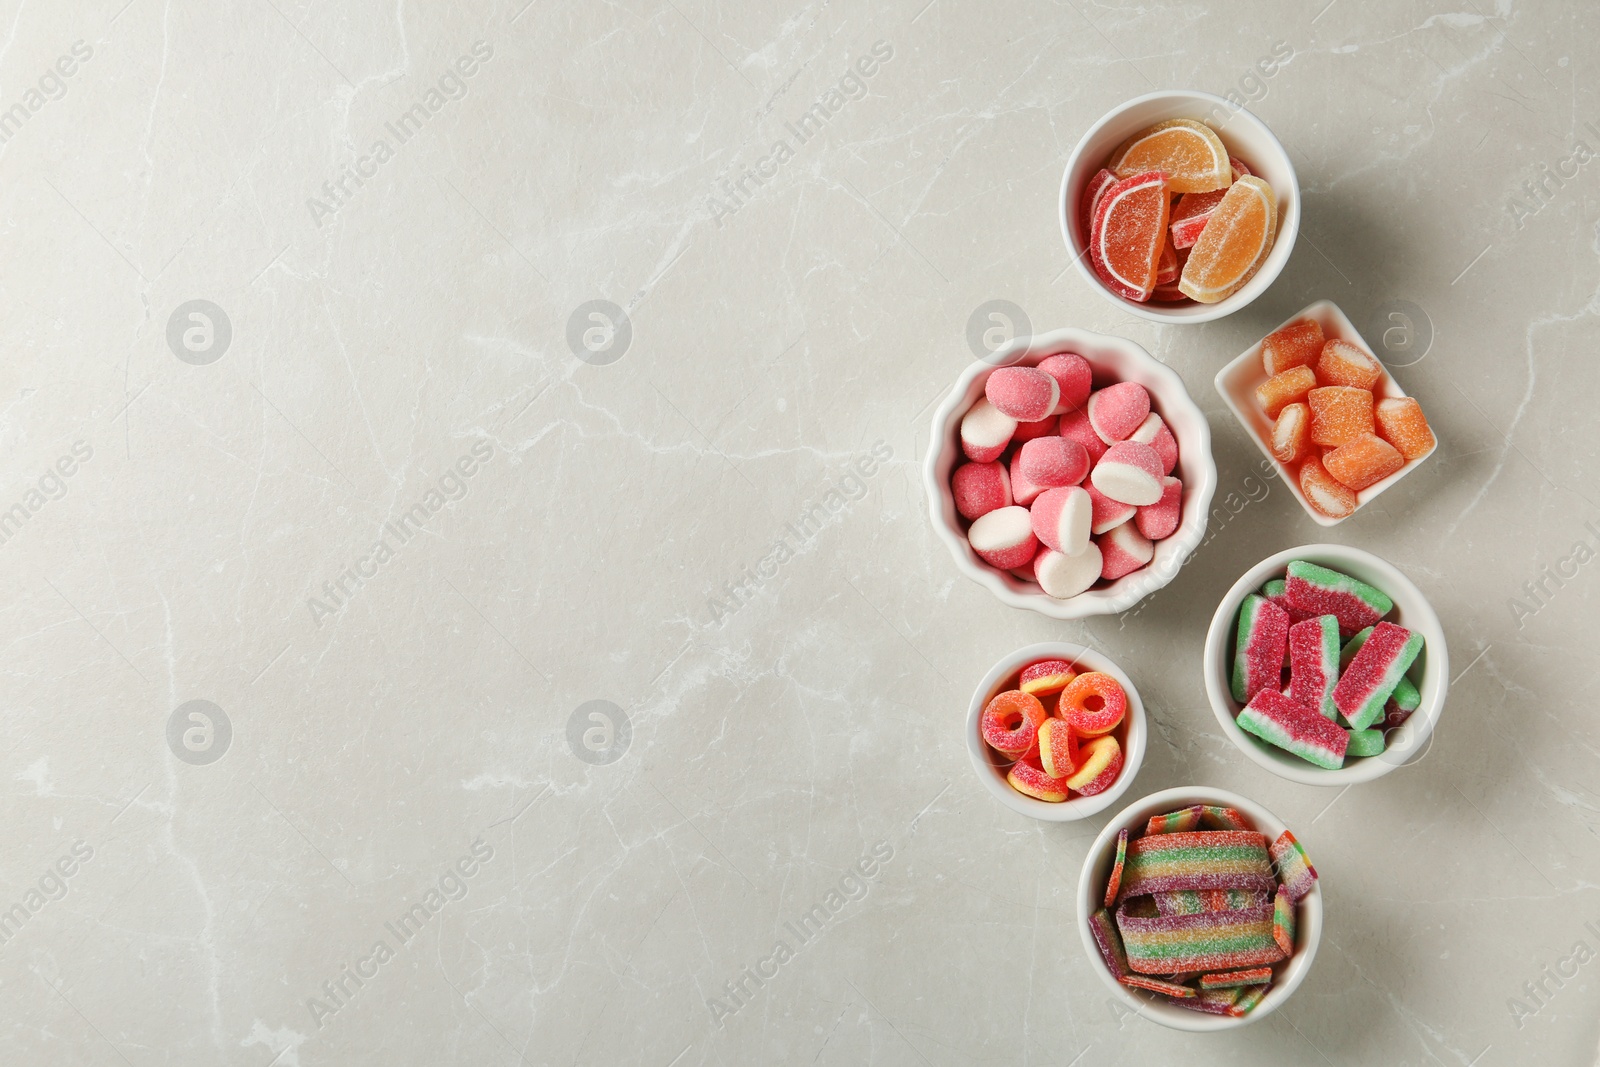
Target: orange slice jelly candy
column 1363, row 461
column 1339, row 414
column 1167, row 266
column 1402, row 423
column 1102, row 181
column 1192, row 211
column 1326, row 496
column 1234, row 243
column 1130, row 231
column 1295, row 345
column 1188, row 152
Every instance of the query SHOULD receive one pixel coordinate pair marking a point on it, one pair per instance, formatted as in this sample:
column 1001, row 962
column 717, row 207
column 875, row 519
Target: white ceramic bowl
column 1112, row 359
column 1237, row 384
column 1244, row 135
column 1411, row 610
column 1091, row 890
column 992, row 770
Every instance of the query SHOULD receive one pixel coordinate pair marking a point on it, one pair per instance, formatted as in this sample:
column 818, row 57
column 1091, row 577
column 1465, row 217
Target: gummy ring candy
column 1026, row 776
column 1010, row 722
column 1099, row 764
column 1058, row 748
column 1047, row 676
column 1093, row 704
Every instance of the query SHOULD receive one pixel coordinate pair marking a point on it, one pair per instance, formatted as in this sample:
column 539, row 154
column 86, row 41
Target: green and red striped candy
column 1115, row 881
column 1295, row 728
column 1259, row 647
column 1203, row 859
column 1208, row 941
column 1294, row 867
column 1283, row 921
column 1156, row 985
column 1374, row 673
column 1248, row 999
column 1314, row 663
column 1319, row 591
column 1233, row 979
column 1176, row 822
column 1109, row 942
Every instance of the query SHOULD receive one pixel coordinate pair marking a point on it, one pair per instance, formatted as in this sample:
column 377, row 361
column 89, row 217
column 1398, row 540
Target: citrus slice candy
column 1189, row 152
column 1234, row 242
column 1129, row 233
column 1103, row 180
column 1167, row 265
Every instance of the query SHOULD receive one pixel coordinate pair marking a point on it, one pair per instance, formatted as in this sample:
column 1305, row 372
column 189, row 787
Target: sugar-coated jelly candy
column 1295, row 345
column 1028, row 776
column 1281, row 390
column 1401, row 422
column 1314, row 663
column 1063, row 576
column 1259, row 647
column 1046, row 676
column 1291, row 434
column 1363, row 461
column 1010, row 722
column 1167, row 266
column 1092, row 192
column 1367, row 683
column 1190, row 152
column 1118, row 410
column 1234, row 243
column 1339, row 413
column 1295, row 728
column 1326, row 495
column 1073, row 375
column 1076, row 426
column 1026, row 394
column 1004, row 538
column 1320, row 590
column 1342, row 363
column 985, row 432
column 979, row 488
column 1130, row 230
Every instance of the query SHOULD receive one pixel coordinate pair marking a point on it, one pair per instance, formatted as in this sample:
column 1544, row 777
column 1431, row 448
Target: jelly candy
column 1401, row 422
column 1362, row 461
column 1326, row 495
column 1234, row 242
column 1298, row 344
column 1291, row 434
column 1130, row 230
column 1189, row 152
column 1342, row 363
column 1281, row 390
column 1339, row 414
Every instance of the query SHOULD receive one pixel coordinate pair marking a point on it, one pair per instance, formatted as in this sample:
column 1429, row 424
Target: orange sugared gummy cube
column 1325, row 494
column 1291, row 434
column 1402, row 423
column 1284, row 389
column 1342, row 363
column 1296, row 345
column 1362, row 461
column 1339, row 413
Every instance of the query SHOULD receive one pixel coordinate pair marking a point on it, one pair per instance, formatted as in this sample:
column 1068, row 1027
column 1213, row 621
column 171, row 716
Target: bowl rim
column 1277, row 258
column 1291, row 477
column 1309, row 918
column 1172, row 395
column 1078, row 807
column 1414, row 734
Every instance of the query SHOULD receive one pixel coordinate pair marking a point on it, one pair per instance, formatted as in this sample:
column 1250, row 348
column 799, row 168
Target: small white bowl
column 1237, row 384
column 1245, row 137
column 1411, row 610
column 1091, row 896
column 1113, row 359
column 992, row 770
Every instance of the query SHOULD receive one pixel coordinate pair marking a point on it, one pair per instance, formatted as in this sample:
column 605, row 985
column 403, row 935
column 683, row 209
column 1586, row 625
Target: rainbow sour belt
column 1208, row 941
column 1204, row 859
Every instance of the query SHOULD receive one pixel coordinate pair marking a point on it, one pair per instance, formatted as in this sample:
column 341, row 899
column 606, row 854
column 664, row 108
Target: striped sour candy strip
column 1209, row 941
column 1202, row 859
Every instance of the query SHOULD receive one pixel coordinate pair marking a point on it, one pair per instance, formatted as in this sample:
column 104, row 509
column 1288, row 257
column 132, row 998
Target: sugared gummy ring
column 1010, row 722
column 1093, row 704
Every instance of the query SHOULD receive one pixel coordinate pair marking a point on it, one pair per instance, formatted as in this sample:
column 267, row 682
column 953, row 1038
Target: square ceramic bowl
column 1153, row 1006
column 1113, row 359
column 1431, row 670
column 1238, row 380
column 1245, row 137
column 992, row 769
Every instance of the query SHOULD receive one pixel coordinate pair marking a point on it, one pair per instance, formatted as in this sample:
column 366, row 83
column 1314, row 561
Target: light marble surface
column 418, row 320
